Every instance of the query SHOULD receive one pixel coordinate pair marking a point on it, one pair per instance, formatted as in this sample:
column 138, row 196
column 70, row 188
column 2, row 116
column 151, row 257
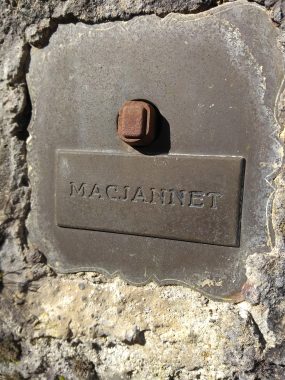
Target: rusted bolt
column 136, row 123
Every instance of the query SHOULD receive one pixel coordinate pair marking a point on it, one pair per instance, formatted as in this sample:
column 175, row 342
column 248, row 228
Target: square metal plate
column 215, row 89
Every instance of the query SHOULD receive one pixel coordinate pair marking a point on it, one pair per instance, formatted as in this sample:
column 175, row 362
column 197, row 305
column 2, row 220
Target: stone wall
column 88, row 326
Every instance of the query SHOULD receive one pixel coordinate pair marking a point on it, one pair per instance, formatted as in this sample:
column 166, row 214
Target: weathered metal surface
column 191, row 198
column 137, row 123
column 215, row 89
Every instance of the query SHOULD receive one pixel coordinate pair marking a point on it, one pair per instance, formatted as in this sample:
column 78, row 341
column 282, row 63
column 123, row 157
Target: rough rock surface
column 86, row 326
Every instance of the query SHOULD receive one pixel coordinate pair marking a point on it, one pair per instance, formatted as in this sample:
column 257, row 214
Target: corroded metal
column 136, row 123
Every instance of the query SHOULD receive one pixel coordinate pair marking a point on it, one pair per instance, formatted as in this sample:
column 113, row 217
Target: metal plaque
column 184, row 198
column 191, row 198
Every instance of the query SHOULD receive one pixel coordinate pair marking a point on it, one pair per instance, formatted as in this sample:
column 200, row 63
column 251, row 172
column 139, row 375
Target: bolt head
column 136, row 123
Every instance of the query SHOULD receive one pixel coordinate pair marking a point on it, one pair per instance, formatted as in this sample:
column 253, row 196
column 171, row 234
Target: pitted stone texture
column 149, row 332
column 47, row 357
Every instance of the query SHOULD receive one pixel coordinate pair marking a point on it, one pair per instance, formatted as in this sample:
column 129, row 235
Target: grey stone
column 181, row 341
